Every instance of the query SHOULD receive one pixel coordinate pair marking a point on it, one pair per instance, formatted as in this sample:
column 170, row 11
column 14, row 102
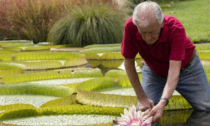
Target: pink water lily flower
column 132, row 117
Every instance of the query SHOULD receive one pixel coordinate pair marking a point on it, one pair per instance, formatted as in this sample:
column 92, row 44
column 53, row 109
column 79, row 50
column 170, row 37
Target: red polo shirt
column 173, row 44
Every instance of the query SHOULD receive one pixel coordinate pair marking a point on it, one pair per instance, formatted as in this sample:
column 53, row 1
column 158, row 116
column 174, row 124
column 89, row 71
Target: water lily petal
column 133, row 118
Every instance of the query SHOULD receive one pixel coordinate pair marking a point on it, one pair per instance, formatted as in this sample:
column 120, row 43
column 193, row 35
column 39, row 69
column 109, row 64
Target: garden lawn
column 194, row 15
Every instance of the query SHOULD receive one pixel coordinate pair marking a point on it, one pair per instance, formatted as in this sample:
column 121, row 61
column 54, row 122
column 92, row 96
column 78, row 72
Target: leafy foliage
column 92, row 23
column 29, row 19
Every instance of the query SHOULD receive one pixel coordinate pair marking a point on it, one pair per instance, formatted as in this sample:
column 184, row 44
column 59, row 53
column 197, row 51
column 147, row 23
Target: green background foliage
column 85, row 25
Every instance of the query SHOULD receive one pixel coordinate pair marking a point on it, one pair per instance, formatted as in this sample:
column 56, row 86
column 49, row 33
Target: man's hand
column 157, row 111
column 146, row 104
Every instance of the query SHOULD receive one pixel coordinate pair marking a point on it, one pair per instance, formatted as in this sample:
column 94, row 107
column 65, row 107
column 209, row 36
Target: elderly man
column 171, row 62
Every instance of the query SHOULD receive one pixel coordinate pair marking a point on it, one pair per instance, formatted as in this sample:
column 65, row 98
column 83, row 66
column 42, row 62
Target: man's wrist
column 166, row 100
column 142, row 97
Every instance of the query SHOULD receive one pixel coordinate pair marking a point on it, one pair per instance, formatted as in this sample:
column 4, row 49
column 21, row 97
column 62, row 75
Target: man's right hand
column 145, row 104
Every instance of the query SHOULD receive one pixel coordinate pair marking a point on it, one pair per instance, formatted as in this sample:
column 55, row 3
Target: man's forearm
column 134, row 79
column 173, row 77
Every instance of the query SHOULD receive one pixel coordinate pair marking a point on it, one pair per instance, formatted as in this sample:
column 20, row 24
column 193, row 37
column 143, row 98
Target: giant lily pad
column 31, row 93
column 41, row 65
column 101, row 45
column 204, row 46
column 63, row 115
column 7, row 69
column 204, row 55
column 101, row 50
column 206, row 65
column 46, row 55
column 86, row 94
column 60, row 81
column 76, row 61
column 74, row 73
column 35, row 100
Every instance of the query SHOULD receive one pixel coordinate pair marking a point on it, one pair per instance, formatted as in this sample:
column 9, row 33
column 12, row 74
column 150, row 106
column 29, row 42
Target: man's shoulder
column 169, row 17
column 129, row 23
column 172, row 22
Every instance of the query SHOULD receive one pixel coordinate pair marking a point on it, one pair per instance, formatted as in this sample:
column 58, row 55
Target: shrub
column 29, row 19
column 92, row 23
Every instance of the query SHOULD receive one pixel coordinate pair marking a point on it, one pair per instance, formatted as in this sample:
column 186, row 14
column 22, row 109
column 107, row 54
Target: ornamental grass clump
column 92, row 23
column 29, row 19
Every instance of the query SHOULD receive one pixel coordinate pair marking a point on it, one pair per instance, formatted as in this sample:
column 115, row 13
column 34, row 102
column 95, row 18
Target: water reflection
column 199, row 118
column 188, row 117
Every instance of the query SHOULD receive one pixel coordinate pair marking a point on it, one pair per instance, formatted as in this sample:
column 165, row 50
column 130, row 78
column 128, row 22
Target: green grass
column 194, row 15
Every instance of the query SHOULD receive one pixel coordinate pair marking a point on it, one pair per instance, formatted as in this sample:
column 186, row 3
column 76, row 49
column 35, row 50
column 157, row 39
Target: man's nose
column 148, row 36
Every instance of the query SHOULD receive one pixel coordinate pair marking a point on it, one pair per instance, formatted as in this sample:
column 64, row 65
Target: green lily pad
column 62, row 115
column 204, row 46
column 62, row 120
column 7, row 69
column 101, row 50
column 206, row 65
column 35, row 100
column 101, row 45
column 60, row 81
column 74, row 73
column 31, row 94
column 204, row 55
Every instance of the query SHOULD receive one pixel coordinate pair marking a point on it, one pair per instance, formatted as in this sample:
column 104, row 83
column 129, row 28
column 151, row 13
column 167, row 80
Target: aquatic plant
column 70, row 115
column 132, row 117
column 29, row 19
column 52, row 74
column 88, row 23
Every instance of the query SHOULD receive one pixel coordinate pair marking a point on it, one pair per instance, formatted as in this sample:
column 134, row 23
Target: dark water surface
column 185, row 118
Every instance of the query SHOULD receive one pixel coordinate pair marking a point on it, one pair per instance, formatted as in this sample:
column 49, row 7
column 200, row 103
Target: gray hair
column 156, row 9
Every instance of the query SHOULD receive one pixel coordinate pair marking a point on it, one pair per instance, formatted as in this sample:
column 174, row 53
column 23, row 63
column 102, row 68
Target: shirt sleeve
column 128, row 49
column 178, row 43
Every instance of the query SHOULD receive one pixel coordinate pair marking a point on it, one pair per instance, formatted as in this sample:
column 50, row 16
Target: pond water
column 188, row 117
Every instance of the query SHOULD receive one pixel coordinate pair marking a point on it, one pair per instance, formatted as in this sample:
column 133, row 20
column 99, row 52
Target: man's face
column 150, row 33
